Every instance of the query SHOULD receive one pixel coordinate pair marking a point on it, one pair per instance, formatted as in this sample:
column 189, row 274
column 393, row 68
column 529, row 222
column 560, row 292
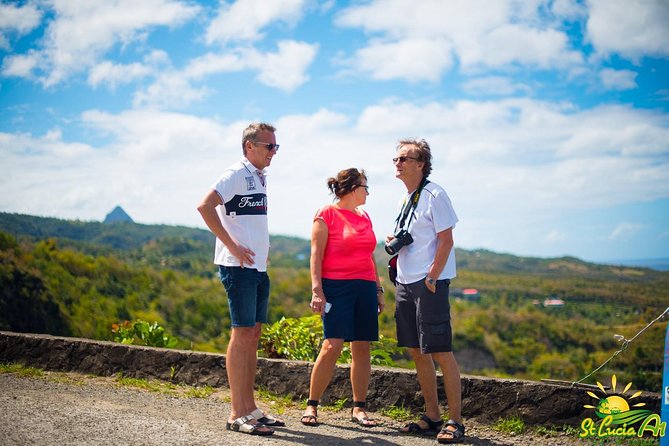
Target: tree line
column 81, row 286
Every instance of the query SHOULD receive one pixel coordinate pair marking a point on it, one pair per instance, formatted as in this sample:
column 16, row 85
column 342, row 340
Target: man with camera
column 423, row 242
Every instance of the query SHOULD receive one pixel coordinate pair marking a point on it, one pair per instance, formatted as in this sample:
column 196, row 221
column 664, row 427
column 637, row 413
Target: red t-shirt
column 351, row 242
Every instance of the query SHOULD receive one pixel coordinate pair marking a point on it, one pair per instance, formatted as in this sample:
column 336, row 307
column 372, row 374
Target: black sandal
column 433, row 427
column 362, row 421
column 311, row 420
column 455, row 435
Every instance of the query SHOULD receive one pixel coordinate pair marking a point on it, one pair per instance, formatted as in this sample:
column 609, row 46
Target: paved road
column 69, row 409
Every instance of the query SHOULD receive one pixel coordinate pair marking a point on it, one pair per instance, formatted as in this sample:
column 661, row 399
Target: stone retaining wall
column 483, row 399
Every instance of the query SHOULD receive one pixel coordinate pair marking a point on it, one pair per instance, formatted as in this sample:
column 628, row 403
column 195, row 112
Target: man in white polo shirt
column 235, row 210
column 425, row 267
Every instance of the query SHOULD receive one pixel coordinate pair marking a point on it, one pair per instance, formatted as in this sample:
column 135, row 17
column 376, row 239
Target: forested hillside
column 78, row 278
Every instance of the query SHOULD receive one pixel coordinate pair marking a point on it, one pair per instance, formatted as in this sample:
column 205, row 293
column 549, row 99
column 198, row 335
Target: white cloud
column 170, row 91
column 495, row 86
column 284, row 69
column 155, row 163
column 569, row 9
column 21, row 65
column 499, row 160
column 618, row 131
column 624, row 230
column 517, row 44
column 618, row 79
column 243, row 20
column 478, row 33
column 630, row 28
column 114, row 74
column 412, row 59
column 82, row 31
column 18, row 20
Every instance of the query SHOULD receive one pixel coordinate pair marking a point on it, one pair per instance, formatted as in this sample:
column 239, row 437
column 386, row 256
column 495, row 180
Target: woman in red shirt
column 346, row 290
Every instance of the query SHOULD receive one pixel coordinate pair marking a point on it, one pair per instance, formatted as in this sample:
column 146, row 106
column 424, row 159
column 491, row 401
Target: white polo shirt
column 434, row 213
column 243, row 214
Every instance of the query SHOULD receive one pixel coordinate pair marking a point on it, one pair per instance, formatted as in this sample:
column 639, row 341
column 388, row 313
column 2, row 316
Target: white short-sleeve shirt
column 434, row 213
column 243, row 214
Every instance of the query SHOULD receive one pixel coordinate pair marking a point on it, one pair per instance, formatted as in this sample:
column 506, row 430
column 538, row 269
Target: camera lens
column 393, row 246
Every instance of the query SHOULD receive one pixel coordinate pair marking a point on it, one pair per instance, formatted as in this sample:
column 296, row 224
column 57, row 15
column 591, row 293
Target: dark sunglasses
column 402, row 159
column 268, row 145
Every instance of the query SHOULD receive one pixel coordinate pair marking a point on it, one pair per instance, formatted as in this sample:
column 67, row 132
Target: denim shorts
column 354, row 310
column 248, row 294
column 423, row 318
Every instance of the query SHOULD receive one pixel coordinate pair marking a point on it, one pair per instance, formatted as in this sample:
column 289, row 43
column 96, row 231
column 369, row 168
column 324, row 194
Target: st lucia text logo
column 617, row 418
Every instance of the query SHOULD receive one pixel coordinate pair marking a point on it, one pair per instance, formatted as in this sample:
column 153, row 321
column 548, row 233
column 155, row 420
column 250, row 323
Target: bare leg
column 427, row 379
column 240, row 363
column 452, row 385
column 361, row 370
column 251, row 366
column 321, row 375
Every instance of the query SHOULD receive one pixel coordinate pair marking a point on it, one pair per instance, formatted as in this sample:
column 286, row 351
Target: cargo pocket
column 435, row 334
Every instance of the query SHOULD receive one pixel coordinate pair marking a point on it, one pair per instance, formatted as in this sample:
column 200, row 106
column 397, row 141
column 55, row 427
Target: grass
column 165, row 387
column 279, row 403
column 151, row 386
column 199, row 392
column 22, row 370
column 397, row 413
column 335, row 406
column 513, row 425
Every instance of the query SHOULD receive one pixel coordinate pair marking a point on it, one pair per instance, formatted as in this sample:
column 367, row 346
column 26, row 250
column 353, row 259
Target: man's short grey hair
column 252, row 131
column 421, row 150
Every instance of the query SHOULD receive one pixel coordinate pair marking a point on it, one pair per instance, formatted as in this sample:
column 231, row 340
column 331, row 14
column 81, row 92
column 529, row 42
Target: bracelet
column 379, row 290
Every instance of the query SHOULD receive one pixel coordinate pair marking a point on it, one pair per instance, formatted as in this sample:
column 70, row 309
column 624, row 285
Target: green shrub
column 289, row 338
column 300, row 339
column 141, row 332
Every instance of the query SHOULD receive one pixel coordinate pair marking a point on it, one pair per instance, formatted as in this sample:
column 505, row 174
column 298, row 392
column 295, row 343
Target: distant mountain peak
column 118, row 215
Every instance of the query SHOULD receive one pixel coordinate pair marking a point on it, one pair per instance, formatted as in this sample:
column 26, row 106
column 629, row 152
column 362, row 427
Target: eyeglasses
column 268, row 145
column 366, row 187
column 401, row 159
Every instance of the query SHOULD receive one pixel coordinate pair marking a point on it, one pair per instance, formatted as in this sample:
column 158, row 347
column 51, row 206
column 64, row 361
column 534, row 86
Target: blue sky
column 548, row 120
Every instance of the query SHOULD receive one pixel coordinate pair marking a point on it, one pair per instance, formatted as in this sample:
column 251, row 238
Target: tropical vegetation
column 156, row 285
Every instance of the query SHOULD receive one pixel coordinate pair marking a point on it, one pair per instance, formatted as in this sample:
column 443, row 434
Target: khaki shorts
column 423, row 318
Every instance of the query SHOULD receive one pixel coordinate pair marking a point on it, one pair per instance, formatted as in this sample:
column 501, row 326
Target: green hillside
column 78, row 278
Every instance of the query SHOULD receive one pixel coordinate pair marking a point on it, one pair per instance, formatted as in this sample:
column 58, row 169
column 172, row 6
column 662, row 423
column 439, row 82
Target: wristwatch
column 431, row 281
column 379, row 290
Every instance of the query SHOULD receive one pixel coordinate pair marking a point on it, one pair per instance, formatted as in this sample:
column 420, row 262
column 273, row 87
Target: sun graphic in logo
column 616, row 405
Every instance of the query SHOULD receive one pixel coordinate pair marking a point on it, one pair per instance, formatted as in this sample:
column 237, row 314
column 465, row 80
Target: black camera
column 402, row 238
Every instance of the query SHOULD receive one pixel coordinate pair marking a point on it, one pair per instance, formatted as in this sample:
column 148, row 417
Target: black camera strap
column 410, row 206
